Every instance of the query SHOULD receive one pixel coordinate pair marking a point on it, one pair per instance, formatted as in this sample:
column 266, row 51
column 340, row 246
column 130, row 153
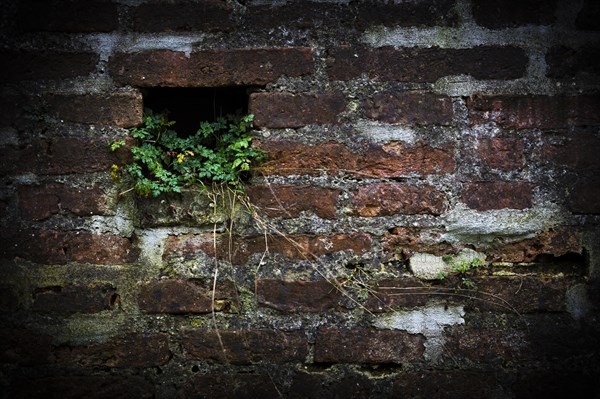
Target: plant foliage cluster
column 165, row 162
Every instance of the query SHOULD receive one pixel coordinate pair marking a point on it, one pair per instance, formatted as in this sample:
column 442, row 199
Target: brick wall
column 398, row 134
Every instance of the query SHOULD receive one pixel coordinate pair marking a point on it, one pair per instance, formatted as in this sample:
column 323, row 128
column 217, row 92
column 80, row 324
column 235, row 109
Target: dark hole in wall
column 190, row 106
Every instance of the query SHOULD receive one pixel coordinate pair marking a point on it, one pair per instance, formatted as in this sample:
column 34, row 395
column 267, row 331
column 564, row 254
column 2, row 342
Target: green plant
column 165, row 162
column 463, row 266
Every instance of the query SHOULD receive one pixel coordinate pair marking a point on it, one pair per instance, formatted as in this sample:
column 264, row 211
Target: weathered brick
column 367, row 345
column 531, row 112
column 119, row 109
column 72, row 298
column 402, row 242
column 583, row 197
column 293, row 246
column 384, row 199
column 56, row 247
column 430, row 13
column 405, row 293
column 246, row 346
column 209, row 68
column 231, row 386
column 579, row 152
column 410, row 108
column 184, row 296
column 67, row 16
column 34, row 65
column 41, row 202
column 92, row 387
column 507, row 13
column 557, row 382
column 588, row 16
column 565, row 63
column 554, row 242
column 426, row 64
column 485, row 345
column 522, row 294
column 64, row 155
column 297, row 296
column 312, row 16
column 130, row 351
column 24, row 347
column 288, row 158
column 291, row 201
column 501, row 153
column 452, row 384
column 390, row 160
column 208, row 16
column 323, row 385
column 488, row 195
column 281, row 110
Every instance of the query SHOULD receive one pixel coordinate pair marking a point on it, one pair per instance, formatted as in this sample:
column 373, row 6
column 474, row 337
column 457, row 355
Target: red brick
column 531, row 112
column 567, row 63
column 72, row 298
column 485, row 345
column 210, row 67
column 97, row 387
column 34, row 65
column 488, row 195
column 523, row 294
column 208, row 16
column 404, row 293
column 312, row 16
column 426, row 64
column 130, row 351
column 24, row 347
column 291, row 201
column 402, row 242
column 442, row 384
column 55, row 247
column 184, row 296
column 281, row 110
column 430, row 13
column 288, row 158
column 324, row 385
column 64, row 155
column 588, row 16
column 231, row 386
column 391, row 160
column 410, row 108
column 297, row 296
column 119, row 109
column 556, row 242
column 579, row 152
column 385, row 199
column 67, row 16
column 507, row 13
column 367, row 345
column 292, row 246
column 501, row 153
column 41, row 202
column 246, row 346
column 584, row 195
